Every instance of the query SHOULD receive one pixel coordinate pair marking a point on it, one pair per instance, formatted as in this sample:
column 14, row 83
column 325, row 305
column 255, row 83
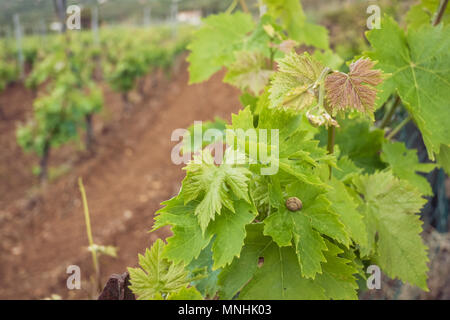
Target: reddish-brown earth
column 42, row 230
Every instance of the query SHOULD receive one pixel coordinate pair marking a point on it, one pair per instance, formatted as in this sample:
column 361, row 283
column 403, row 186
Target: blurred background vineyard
column 102, row 105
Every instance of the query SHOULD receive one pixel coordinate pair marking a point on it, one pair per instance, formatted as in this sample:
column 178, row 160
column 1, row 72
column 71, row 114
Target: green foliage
column 58, row 115
column 443, row 158
column 389, row 207
column 304, row 228
column 249, row 71
column 418, row 64
column 8, row 73
column 213, row 184
column 356, row 201
column 64, row 70
column 359, row 142
column 279, row 277
column 423, row 13
column 160, row 278
column 214, row 44
column 405, row 165
column 295, row 23
column 292, row 85
column 193, row 140
column 126, row 72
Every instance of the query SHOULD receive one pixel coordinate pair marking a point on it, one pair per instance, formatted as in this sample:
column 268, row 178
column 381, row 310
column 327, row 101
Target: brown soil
column 42, row 230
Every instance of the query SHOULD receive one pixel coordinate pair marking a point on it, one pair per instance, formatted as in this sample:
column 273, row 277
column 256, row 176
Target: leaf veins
column 355, row 90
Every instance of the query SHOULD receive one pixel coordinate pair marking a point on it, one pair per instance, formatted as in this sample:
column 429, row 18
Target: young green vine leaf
column 159, row 278
column 215, row 184
column 293, row 85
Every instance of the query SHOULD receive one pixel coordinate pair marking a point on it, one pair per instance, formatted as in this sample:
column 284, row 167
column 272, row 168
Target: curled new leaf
column 355, row 90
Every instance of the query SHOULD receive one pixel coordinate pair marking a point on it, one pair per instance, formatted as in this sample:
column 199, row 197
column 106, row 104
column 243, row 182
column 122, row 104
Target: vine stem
column 231, row 7
column 331, row 128
column 394, row 132
column 244, row 6
column 440, row 12
column 331, row 139
column 87, row 220
column 388, row 117
column 330, row 145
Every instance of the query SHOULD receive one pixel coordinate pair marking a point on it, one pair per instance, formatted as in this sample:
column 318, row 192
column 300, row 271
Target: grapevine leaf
column 359, row 142
column 279, row 277
column 317, row 207
column 423, row 13
column 214, row 183
column 286, row 122
column 328, row 58
column 295, row 153
column 193, row 140
column 346, row 169
column 207, row 285
column 187, row 241
column 214, row 43
column 418, row 63
column 294, row 21
column 248, row 100
column 355, row 90
column 260, row 39
column 443, row 158
column 234, row 277
column 338, row 278
column 405, row 163
column 229, row 231
column 298, row 154
column 390, row 208
column 304, row 227
column 249, row 71
column 190, row 293
column 344, row 205
column 292, row 85
column 158, row 275
column 243, row 120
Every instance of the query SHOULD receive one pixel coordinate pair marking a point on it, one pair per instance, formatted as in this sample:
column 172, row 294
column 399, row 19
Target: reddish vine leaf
column 355, row 90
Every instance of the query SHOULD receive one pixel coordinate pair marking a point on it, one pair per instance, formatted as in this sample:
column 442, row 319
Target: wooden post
column 94, row 25
column 147, row 16
column 20, row 57
column 174, row 14
column 60, row 9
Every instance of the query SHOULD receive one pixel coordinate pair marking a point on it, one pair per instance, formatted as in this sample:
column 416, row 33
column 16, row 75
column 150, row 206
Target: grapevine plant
column 344, row 196
column 71, row 99
column 8, row 72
